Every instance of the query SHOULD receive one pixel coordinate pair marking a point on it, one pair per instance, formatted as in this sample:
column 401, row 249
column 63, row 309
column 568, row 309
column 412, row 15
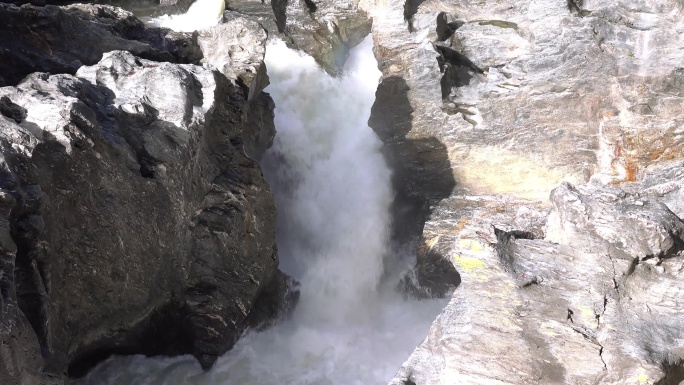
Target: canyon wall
column 542, row 143
column 135, row 218
column 537, row 159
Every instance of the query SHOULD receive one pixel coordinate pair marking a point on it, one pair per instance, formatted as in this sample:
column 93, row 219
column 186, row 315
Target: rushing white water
column 201, row 14
column 332, row 189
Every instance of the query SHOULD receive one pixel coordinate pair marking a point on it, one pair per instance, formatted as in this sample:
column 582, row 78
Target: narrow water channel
column 332, row 189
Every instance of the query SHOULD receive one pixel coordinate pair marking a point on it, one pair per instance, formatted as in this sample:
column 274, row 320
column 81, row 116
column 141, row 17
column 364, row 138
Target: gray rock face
column 485, row 109
column 534, row 86
column 537, row 156
column 139, row 7
column 62, row 39
column 586, row 292
column 135, row 218
column 324, row 29
column 237, row 48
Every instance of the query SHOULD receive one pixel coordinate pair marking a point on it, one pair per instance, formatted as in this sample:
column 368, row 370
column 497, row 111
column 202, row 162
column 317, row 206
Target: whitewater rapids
column 333, row 193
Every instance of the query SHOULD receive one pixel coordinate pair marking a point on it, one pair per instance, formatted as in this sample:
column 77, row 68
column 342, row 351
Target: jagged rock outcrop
column 140, row 8
column 325, row 29
column 135, row 218
column 585, row 293
column 62, row 39
column 498, row 104
column 487, row 109
column 237, row 48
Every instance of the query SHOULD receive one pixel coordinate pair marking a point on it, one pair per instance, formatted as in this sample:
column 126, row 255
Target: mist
column 333, row 194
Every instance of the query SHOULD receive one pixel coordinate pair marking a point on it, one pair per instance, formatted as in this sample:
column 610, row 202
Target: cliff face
column 542, row 143
column 135, row 217
column 325, row 29
column 538, row 160
column 62, row 39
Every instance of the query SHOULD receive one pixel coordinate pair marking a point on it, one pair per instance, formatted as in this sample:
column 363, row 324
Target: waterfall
column 331, row 183
column 332, row 189
column 201, row 14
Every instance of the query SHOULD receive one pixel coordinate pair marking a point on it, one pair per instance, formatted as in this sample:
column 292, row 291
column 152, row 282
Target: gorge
column 333, row 192
column 524, row 161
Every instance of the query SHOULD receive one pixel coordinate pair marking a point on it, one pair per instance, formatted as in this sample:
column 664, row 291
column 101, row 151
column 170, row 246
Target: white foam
column 332, row 188
column 201, row 14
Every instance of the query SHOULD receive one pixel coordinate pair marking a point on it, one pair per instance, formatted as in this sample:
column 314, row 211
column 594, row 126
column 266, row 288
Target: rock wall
column 537, row 158
column 325, row 29
column 135, row 218
column 540, row 142
column 62, row 39
column 139, row 7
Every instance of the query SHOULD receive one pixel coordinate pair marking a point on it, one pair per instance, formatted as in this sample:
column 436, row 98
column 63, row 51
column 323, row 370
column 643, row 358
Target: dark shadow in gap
column 446, row 26
column 410, row 9
column 421, row 177
column 674, row 373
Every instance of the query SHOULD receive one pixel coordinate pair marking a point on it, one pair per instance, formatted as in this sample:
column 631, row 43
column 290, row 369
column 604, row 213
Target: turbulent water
column 332, row 189
column 201, row 14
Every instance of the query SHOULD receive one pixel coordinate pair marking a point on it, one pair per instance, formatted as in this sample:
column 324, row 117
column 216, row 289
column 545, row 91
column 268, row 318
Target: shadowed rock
column 140, row 223
column 421, row 176
column 60, row 40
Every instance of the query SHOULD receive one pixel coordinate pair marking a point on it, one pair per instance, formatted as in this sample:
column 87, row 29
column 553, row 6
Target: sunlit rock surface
column 537, row 153
column 135, row 216
column 501, row 104
column 325, row 29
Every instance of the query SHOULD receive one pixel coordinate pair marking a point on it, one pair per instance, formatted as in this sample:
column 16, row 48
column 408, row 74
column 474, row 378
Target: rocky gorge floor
column 537, row 157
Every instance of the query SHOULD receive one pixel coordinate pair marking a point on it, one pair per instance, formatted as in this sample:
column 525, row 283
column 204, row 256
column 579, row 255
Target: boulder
column 62, row 39
column 135, row 221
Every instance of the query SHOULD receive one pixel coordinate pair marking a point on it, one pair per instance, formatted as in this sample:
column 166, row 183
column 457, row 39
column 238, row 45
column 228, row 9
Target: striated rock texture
column 588, row 293
column 542, row 144
column 135, row 218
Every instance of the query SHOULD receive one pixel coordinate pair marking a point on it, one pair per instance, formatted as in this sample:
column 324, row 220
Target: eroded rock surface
column 135, row 215
column 499, row 104
column 62, row 39
column 325, row 29
column 586, row 291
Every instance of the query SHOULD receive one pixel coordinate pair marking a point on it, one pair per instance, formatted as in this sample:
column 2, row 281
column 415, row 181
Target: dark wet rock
column 62, row 39
column 421, row 177
column 138, row 7
column 141, row 225
column 11, row 110
column 326, row 30
column 433, row 277
column 237, row 48
column 276, row 302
